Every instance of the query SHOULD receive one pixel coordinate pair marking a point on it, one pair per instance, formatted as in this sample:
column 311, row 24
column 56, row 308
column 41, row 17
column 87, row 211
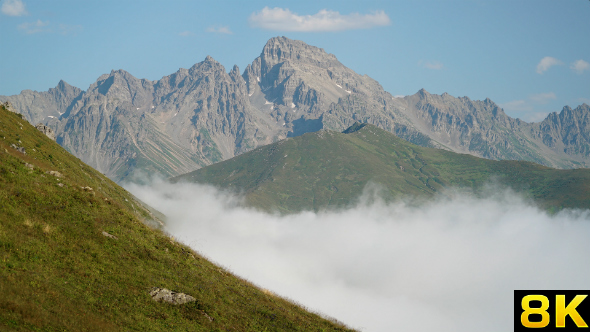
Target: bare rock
column 46, row 130
column 8, row 106
column 29, row 166
column 55, row 173
column 166, row 295
column 109, row 235
column 18, row 148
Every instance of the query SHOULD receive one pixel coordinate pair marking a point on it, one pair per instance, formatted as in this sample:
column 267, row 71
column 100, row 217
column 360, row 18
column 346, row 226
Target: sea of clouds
column 451, row 264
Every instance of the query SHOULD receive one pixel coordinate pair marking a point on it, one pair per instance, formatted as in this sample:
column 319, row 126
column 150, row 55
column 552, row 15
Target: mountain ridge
column 332, row 170
column 195, row 117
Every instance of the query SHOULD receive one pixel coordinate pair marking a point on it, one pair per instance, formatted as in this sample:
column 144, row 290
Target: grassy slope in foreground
column 58, row 272
column 327, row 168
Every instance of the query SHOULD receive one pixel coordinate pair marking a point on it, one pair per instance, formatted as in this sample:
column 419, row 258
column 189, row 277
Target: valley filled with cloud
column 450, row 264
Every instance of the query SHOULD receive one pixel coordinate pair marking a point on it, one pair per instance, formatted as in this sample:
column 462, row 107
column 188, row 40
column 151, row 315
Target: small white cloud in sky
column 579, row 66
column 66, row 29
column 546, row 63
column 543, row 98
column 34, row 27
column 525, row 109
column 46, row 27
column 436, row 65
column 517, row 105
column 532, row 117
column 222, row 29
column 185, row 33
column 325, row 20
column 13, row 8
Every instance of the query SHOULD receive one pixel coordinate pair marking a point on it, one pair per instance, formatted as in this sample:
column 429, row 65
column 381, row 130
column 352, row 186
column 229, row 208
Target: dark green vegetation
column 328, row 169
column 58, row 272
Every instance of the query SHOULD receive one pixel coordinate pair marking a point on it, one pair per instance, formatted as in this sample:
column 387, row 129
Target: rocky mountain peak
column 63, row 88
column 234, row 70
column 120, row 73
column 206, row 66
column 210, row 59
column 422, row 92
column 281, row 49
column 63, row 85
column 235, row 74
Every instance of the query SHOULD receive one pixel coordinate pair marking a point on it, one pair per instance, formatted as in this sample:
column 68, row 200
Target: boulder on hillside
column 166, row 295
column 18, row 148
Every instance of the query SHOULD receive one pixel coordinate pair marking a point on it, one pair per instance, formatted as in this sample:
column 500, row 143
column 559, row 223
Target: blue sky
column 531, row 57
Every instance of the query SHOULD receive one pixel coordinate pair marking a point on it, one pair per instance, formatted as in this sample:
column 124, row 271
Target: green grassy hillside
column 59, row 272
column 327, row 169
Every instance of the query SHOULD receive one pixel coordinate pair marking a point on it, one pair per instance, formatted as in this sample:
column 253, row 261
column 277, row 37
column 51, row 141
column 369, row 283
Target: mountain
column 76, row 255
column 310, row 89
column 41, row 107
column 329, row 169
column 124, row 126
column 481, row 128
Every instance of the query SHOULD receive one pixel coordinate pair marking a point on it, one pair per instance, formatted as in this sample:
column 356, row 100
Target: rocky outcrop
column 46, row 130
column 8, row 106
column 166, row 295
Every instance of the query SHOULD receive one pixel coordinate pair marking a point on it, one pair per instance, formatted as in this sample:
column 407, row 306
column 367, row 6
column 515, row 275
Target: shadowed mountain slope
column 76, row 256
column 329, row 169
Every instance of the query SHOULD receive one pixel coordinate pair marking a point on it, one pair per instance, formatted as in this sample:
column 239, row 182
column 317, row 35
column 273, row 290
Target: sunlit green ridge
column 330, row 169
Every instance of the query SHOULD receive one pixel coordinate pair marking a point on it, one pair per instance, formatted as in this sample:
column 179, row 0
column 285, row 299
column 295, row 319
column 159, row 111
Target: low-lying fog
column 448, row 265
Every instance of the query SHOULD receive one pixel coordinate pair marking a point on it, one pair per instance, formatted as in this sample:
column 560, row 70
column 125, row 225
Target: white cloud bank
column 543, row 98
column 280, row 19
column 450, row 265
column 546, row 63
column 579, row 66
column 13, row 8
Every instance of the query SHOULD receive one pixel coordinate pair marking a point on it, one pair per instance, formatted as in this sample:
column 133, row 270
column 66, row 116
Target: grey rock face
column 125, row 127
column 44, row 106
column 8, row 106
column 304, row 83
column 46, row 130
column 482, row 128
column 166, row 295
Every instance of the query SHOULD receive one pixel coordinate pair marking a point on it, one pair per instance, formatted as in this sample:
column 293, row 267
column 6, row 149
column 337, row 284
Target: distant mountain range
column 329, row 169
column 195, row 117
